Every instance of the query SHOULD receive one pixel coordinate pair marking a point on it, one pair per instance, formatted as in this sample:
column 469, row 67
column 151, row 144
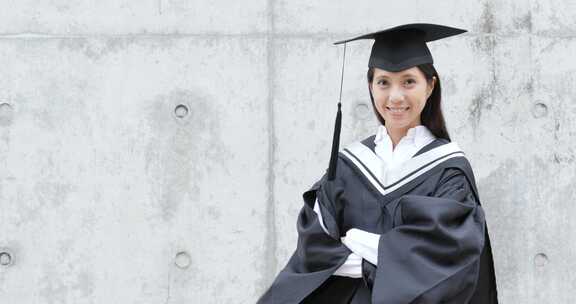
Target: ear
column 430, row 87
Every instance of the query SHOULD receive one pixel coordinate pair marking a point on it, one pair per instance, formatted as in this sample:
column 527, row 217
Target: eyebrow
column 403, row 76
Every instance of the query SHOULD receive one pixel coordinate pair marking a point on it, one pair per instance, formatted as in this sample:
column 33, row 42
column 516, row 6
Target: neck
column 396, row 134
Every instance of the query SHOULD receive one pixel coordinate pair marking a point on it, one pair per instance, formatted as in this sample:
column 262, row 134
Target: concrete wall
column 156, row 151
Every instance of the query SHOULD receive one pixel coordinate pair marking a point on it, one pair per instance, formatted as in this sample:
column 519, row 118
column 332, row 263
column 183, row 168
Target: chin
column 392, row 123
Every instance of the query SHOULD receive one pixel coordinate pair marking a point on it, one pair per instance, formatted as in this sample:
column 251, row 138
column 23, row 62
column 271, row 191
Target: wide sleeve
column 431, row 255
column 307, row 277
column 352, row 267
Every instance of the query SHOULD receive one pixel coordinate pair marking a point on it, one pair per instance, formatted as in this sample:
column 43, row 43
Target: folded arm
column 352, row 267
column 432, row 253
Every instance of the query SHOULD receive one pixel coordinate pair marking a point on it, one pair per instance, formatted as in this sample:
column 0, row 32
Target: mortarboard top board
column 404, row 46
column 394, row 49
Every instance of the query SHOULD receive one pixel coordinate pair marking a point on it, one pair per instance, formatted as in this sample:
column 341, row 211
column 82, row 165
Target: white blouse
column 365, row 242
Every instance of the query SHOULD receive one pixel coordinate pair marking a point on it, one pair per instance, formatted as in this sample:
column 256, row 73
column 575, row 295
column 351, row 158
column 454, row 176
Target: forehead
column 413, row 71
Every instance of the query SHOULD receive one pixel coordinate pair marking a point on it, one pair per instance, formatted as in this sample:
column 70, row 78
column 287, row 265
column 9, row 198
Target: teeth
column 397, row 109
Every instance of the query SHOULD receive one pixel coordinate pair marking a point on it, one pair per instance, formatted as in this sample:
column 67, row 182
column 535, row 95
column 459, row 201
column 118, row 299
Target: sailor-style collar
column 386, row 179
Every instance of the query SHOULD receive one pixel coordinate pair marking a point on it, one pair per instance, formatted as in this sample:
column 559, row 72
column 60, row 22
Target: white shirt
column 364, row 242
column 415, row 139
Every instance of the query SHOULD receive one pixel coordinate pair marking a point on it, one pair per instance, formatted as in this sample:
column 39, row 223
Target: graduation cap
column 394, row 49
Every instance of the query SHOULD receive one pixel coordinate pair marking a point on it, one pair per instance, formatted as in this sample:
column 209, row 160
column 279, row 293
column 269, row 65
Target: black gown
column 434, row 245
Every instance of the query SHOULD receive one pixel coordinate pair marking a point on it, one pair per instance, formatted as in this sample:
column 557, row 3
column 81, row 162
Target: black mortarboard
column 394, row 49
column 402, row 47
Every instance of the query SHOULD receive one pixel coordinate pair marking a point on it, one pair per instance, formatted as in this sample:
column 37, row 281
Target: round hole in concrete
column 540, row 260
column 539, row 110
column 5, row 258
column 182, row 260
column 6, row 114
column 181, row 111
column 361, row 111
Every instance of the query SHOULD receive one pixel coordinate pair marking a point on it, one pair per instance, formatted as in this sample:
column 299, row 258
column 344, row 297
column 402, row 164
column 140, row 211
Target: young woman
column 397, row 217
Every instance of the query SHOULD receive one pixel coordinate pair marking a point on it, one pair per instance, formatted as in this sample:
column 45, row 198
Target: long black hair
column 431, row 115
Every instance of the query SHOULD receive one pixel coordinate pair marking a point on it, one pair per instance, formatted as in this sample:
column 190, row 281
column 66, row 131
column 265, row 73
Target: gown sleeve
column 352, row 267
column 432, row 253
column 307, row 277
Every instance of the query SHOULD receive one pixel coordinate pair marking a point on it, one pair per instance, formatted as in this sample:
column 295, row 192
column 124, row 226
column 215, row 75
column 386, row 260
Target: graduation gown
column 434, row 245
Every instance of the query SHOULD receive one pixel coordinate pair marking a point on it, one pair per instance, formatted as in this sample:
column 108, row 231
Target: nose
column 396, row 95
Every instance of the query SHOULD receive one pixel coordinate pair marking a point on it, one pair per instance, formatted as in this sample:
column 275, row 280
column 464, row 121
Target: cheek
column 379, row 104
column 419, row 100
column 421, row 103
column 379, row 97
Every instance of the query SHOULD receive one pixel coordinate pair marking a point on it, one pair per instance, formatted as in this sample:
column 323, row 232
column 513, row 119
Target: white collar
column 418, row 135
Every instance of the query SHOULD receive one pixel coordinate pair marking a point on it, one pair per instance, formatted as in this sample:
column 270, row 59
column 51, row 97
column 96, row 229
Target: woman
column 399, row 220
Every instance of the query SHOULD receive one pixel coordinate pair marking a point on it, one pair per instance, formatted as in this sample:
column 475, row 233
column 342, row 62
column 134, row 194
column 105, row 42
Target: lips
column 397, row 109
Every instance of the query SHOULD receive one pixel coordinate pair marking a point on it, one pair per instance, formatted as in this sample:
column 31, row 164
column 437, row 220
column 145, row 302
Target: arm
column 363, row 243
column 352, row 267
column 307, row 277
column 432, row 253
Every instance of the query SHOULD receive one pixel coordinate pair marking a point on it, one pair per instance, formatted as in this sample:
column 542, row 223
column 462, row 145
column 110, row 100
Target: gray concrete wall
column 156, row 151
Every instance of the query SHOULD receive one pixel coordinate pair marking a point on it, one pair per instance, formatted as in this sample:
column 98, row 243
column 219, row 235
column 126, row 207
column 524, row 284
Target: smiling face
column 400, row 97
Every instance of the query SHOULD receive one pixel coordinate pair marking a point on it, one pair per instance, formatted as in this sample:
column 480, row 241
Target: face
column 400, row 96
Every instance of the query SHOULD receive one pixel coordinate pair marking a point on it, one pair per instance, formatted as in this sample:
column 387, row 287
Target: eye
column 382, row 82
column 410, row 81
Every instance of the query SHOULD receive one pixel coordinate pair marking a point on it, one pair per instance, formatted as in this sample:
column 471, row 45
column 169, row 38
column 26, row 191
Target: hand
column 352, row 267
column 362, row 243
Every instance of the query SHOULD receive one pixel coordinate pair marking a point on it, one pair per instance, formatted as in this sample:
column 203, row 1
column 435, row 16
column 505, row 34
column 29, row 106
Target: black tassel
column 335, row 145
column 337, row 127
